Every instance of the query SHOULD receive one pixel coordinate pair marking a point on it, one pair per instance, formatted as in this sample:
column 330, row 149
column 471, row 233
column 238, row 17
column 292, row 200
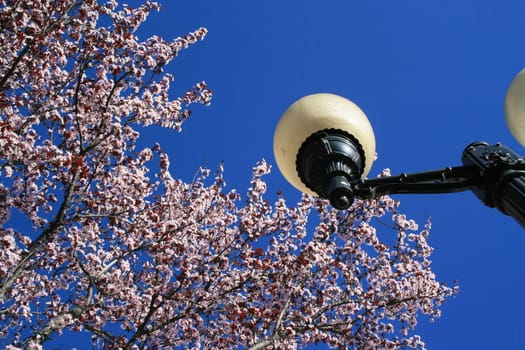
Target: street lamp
column 324, row 145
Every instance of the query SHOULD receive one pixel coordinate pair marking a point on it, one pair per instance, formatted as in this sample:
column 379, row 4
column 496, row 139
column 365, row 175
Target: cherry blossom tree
column 117, row 248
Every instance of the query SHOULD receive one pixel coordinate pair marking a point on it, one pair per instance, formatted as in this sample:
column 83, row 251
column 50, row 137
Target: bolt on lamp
column 324, row 145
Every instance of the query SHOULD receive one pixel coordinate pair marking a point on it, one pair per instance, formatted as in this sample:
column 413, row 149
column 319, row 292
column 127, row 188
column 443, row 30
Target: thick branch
column 275, row 334
column 40, row 241
column 141, row 329
column 56, row 323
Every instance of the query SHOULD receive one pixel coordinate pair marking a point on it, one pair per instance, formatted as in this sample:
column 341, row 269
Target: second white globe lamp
column 515, row 107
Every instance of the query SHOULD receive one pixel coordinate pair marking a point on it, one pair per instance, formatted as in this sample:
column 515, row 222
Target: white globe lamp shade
column 313, row 114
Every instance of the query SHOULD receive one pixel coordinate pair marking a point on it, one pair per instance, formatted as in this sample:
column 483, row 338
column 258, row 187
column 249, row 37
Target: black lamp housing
column 500, row 177
column 328, row 162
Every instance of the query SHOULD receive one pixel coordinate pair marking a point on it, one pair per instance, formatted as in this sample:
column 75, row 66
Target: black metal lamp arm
column 494, row 173
column 448, row 180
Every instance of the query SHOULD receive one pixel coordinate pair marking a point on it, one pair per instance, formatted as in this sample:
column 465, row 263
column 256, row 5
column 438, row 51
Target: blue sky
column 431, row 76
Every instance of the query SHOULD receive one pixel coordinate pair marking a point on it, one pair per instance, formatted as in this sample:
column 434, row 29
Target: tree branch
column 141, row 329
column 41, row 240
column 278, row 324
